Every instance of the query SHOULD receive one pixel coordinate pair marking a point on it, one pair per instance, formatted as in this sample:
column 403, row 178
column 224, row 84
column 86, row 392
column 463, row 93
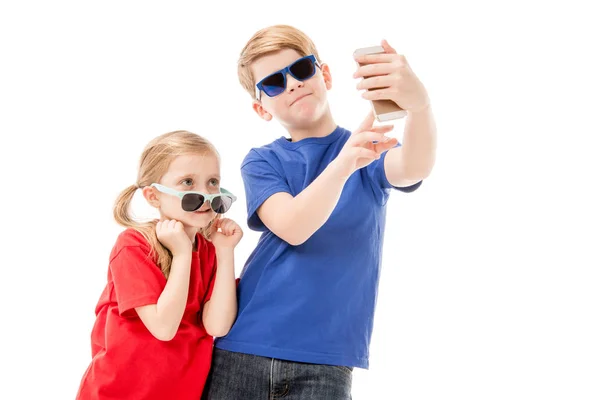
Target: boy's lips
column 300, row 98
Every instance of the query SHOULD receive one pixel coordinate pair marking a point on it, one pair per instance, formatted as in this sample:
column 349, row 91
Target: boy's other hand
column 360, row 149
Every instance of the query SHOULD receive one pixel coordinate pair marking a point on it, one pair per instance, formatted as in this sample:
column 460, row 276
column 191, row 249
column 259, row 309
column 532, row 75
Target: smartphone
column 385, row 110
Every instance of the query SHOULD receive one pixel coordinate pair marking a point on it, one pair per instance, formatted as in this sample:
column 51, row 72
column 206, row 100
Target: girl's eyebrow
column 195, row 176
column 185, row 176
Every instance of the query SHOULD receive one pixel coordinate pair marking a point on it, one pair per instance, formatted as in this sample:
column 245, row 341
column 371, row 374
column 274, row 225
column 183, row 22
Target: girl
column 171, row 283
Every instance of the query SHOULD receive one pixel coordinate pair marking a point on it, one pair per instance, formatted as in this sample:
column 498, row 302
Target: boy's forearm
column 311, row 208
column 220, row 311
column 414, row 160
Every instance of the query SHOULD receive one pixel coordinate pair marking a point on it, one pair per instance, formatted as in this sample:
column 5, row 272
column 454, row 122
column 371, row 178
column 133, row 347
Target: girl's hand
column 172, row 235
column 225, row 233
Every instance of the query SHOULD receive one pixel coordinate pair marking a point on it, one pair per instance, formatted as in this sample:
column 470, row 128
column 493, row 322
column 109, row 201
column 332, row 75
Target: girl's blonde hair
column 154, row 163
column 271, row 40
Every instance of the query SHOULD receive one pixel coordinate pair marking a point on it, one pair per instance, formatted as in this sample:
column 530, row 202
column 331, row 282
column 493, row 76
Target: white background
column 490, row 283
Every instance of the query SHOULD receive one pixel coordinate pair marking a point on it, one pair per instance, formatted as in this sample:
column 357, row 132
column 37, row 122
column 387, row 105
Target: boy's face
column 302, row 102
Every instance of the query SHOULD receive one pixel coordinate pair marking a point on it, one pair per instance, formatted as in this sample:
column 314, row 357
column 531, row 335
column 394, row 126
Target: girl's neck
column 192, row 232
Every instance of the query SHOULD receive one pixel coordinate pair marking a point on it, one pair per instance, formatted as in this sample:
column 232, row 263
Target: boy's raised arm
column 295, row 219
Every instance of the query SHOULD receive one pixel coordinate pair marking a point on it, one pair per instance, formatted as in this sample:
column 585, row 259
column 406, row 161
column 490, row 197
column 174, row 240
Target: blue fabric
column 314, row 302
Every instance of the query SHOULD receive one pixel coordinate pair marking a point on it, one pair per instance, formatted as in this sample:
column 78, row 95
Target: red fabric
column 127, row 361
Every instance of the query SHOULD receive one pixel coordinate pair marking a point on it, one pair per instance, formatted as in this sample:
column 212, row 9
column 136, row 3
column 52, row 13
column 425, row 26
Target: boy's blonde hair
column 154, row 163
column 271, row 40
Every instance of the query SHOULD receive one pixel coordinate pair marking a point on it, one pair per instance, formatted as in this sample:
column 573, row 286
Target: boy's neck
column 319, row 128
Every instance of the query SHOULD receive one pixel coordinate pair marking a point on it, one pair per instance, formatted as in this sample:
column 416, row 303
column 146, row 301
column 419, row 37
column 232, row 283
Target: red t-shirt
column 127, row 361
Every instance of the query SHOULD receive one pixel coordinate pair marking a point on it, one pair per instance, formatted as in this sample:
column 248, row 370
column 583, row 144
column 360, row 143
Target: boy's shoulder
column 280, row 146
column 264, row 152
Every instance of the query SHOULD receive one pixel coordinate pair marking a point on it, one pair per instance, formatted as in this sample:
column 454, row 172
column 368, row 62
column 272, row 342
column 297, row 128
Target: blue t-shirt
column 314, row 302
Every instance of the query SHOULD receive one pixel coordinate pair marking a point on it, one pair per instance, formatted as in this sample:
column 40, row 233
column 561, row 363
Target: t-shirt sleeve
column 261, row 181
column 137, row 280
column 379, row 181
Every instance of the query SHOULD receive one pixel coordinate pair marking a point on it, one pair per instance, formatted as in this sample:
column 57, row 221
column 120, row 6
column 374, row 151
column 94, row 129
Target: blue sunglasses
column 275, row 84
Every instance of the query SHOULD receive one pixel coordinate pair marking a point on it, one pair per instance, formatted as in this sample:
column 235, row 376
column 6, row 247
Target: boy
column 307, row 292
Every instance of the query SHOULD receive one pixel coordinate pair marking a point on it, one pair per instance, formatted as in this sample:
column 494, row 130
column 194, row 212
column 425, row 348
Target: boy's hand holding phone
column 388, row 76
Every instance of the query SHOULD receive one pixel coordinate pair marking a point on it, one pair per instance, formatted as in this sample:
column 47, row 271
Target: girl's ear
column 151, row 196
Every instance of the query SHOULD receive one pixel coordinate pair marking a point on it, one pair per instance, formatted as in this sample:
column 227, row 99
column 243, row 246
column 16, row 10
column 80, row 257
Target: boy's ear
column 260, row 110
column 327, row 76
column 150, row 196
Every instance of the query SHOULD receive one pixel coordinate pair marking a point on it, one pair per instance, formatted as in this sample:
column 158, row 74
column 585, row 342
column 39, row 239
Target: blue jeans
column 238, row 376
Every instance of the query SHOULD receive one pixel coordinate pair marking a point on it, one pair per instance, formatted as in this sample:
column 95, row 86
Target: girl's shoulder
column 130, row 237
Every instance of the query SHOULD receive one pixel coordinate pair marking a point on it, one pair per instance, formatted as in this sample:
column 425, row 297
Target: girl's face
column 189, row 172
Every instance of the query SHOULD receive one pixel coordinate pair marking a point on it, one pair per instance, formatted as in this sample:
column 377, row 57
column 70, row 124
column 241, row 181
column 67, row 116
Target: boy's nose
column 293, row 83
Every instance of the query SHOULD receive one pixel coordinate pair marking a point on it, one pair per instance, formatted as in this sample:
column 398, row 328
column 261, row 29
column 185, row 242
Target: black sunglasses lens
column 221, row 204
column 274, row 84
column 303, row 69
column 192, row 202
